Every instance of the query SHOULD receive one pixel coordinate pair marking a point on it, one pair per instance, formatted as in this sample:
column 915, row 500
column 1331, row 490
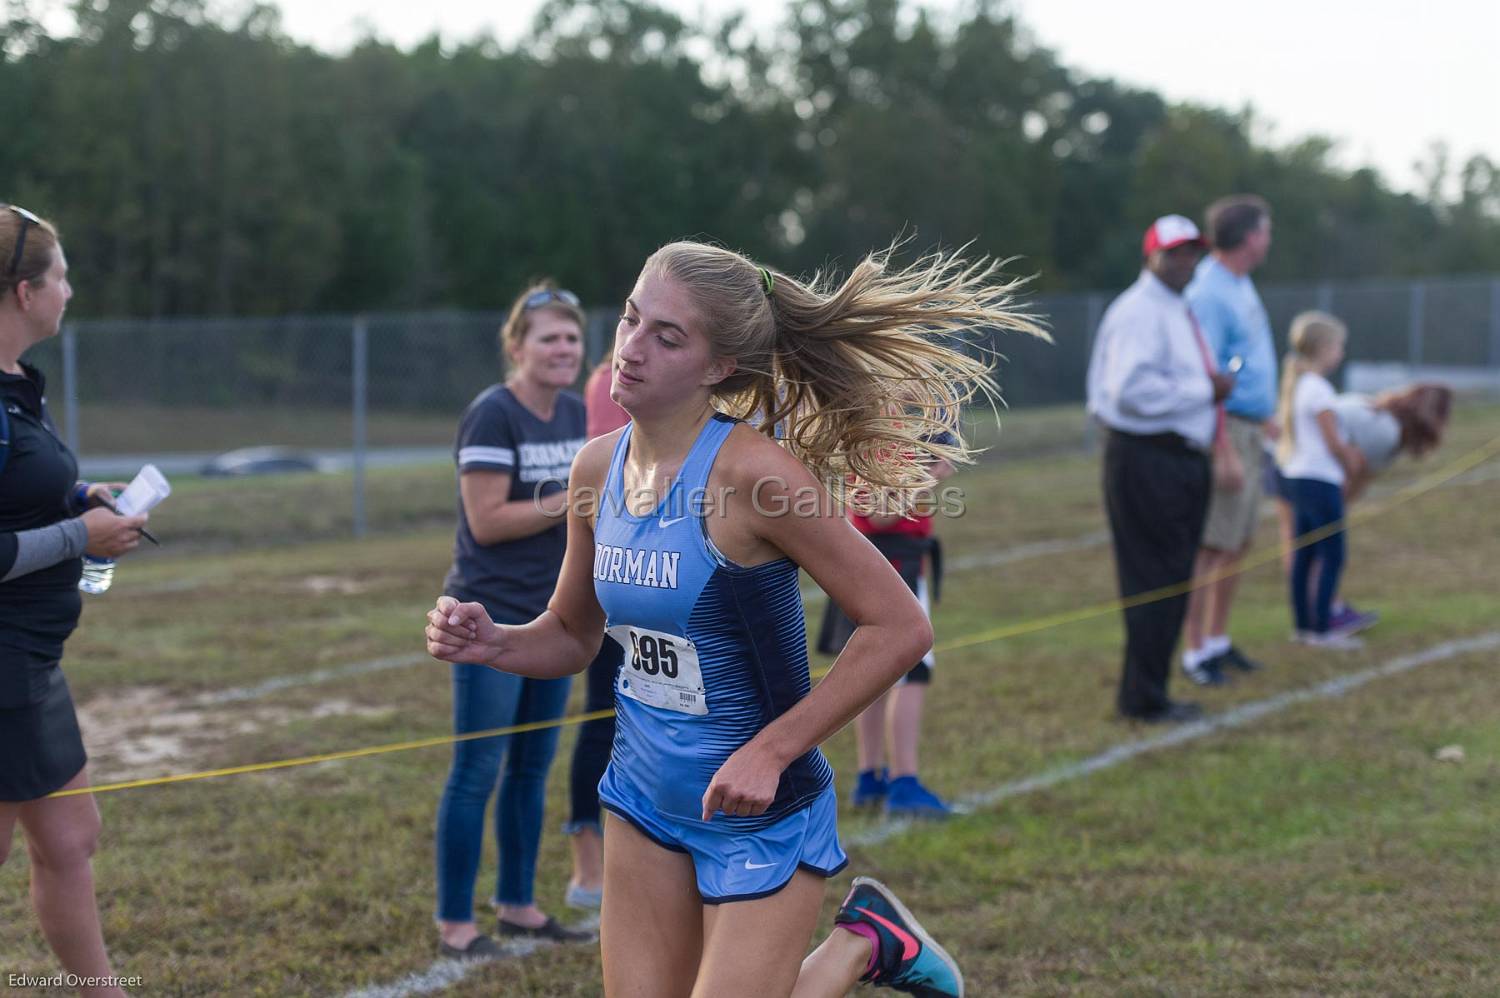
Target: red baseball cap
column 1169, row 231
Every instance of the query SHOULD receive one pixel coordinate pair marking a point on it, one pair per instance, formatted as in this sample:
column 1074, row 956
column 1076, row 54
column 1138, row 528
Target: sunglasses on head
column 27, row 221
column 548, row 295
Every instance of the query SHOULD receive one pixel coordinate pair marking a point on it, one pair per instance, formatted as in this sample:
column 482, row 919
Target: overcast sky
column 1386, row 79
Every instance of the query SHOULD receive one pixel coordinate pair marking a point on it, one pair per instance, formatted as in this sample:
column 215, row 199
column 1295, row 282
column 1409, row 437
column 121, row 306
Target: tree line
column 202, row 163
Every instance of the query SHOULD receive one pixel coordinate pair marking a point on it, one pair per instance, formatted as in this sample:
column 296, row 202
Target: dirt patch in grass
column 144, row 731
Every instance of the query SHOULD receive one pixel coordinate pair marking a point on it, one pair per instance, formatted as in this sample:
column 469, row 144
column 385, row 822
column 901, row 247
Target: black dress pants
column 1156, row 491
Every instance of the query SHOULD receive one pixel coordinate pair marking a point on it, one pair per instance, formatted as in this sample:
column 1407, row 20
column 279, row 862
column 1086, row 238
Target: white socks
column 1212, row 648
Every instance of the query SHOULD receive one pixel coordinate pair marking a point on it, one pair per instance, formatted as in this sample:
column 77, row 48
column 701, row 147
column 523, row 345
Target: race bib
column 660, row 670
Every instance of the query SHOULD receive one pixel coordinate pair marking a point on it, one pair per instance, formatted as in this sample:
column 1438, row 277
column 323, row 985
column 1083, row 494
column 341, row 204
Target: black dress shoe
column 1175, row 712
column 1240, row 660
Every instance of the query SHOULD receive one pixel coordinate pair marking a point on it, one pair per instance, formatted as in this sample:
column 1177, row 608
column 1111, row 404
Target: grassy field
column 1320, row 850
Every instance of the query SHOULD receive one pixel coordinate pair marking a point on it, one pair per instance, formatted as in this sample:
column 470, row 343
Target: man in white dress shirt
column 1153, row 383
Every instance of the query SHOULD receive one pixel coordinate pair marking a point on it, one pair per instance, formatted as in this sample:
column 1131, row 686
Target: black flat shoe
column 551, row 930
column 480, row 948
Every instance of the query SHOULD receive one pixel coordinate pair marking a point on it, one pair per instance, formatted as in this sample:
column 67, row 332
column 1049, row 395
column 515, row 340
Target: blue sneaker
column 870, row 789
column 906, row 959
column 909, row 799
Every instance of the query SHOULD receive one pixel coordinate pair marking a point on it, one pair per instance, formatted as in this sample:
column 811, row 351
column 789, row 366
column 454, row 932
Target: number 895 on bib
column 661, row 670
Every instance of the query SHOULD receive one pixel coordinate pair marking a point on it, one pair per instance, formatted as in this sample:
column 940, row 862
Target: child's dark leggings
column 1316, row 504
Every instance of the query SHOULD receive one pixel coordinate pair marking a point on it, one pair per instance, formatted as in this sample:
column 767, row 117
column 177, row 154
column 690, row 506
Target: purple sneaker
column 1347, row 620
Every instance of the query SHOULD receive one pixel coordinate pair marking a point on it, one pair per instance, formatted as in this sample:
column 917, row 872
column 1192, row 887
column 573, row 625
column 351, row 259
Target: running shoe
column 870, row 788
column 906, row 957
column 909, row 799
column 1239, row 660
column 1209, row 672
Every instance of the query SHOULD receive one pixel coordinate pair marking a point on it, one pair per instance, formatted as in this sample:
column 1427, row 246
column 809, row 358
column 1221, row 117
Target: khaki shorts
column 1233, row 516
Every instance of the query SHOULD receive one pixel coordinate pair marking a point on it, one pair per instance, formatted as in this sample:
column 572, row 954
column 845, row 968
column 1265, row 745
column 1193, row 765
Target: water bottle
column 98, row 573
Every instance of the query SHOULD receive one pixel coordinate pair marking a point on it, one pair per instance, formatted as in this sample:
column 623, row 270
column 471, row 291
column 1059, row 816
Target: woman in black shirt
column 48, row 519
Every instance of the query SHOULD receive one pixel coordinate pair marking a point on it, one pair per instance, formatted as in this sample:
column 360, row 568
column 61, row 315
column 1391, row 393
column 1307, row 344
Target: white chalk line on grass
column 1235, row 717
column 443, row 974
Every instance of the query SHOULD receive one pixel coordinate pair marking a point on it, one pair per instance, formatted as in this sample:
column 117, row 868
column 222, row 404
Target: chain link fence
column 373, row 402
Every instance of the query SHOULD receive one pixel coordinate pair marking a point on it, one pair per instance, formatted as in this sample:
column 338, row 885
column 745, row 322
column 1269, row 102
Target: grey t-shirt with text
column 514, row 579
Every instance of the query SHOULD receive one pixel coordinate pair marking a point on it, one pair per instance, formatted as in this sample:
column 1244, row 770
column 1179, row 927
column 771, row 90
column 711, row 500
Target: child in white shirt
column 1315, row 459
column 1410, row 420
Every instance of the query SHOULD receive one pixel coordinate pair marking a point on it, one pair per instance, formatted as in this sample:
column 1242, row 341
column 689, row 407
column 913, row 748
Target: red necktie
column 1211, row 368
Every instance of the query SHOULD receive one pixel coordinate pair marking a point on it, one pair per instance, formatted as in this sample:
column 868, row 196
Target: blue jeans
column 1316, row 504
column 485, row 698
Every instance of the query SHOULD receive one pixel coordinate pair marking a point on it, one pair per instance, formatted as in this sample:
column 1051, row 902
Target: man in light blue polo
column 1230, row 314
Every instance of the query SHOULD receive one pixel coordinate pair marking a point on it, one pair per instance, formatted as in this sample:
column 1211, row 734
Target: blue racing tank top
column 714, row 651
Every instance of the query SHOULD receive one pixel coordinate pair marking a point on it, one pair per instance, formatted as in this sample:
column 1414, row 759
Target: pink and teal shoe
column 904, row 956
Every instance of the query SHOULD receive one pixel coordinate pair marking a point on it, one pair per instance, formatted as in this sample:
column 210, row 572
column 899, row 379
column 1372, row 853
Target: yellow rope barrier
column 261, row 767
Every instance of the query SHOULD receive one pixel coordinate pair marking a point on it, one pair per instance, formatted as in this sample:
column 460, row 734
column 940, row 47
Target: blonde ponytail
column 1310, row 333
column 1291, row 371
column 856, row 378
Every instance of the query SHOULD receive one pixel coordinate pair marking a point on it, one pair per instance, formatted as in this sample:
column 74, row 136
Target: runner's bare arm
column 891, row 630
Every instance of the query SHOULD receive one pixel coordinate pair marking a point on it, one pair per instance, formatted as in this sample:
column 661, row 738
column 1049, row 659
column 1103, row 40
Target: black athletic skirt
column 905, row 552
column 41, row 748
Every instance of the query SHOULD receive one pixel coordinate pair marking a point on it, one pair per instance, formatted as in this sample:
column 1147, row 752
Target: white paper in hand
column 149, row 488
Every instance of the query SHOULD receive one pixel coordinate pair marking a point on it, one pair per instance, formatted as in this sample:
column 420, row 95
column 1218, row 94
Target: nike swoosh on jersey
column 665, row 523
